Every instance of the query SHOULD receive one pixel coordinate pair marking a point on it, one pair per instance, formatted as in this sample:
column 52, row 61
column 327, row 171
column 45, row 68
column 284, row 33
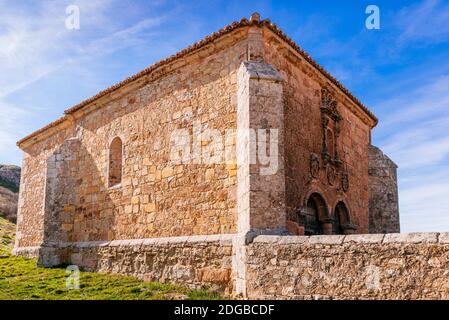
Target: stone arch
column 115, row 167
column 342, row 219
column 315, row 214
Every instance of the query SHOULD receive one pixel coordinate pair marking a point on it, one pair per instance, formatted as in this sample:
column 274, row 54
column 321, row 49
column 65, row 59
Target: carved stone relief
column 335, row 170
column 314, row 165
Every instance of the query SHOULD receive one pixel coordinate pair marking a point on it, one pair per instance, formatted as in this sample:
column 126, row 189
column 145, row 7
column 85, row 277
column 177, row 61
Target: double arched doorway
column 316, row 218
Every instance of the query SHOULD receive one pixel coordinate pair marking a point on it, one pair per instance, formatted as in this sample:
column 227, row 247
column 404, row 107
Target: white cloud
column 34, row 44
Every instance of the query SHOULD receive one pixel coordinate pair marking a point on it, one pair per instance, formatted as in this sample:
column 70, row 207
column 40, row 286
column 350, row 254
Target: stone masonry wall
column 371, row 266
column 261, row 185
column 383, row 193
column 157, row 197
column 391, row 266
column 31, row 206
column 195, row 261
column 304, row 136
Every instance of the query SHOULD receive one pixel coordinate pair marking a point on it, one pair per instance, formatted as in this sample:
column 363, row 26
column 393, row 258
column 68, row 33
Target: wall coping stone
column 292, row 239
column 414, row 237
column 364, row 238
column 268, row 239
column 222, row 239
column 443, row 237
column 326, row 239
column 16, row 251
column 226, row 239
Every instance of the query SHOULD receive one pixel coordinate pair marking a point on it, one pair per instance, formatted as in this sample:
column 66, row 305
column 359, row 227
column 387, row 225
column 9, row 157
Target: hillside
column 9, row 188
column 8, row 204
column 10, row 177
column 20, row 279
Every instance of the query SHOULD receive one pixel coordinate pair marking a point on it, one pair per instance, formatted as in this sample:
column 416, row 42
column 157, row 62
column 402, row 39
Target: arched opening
column 315, row 212
column 341, row 218
column 115, row 162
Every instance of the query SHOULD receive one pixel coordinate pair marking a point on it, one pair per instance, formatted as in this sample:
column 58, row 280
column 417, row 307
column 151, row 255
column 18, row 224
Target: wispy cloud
column 426, row 22
column 415, row 136
column 13, row 124
column 423, row 108
column 35, row 45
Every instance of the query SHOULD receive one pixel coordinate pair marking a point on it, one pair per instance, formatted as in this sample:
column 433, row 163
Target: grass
column 20, row 278
column 7, row 232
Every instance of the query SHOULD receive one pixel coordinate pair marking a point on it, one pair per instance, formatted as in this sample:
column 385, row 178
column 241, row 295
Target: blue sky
column 401, row 71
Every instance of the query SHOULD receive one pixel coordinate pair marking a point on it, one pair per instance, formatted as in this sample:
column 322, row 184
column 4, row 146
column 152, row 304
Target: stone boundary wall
column 372, row 266
column 369, row 266
column 192, row 261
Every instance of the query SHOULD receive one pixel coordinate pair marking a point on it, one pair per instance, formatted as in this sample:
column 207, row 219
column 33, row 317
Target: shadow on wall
column 77, row 205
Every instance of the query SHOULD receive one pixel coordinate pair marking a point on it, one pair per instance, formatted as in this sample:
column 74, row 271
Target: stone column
column 260, row 160
column 327, row 226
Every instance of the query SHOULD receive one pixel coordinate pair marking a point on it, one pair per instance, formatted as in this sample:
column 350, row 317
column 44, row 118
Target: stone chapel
column 103, row 176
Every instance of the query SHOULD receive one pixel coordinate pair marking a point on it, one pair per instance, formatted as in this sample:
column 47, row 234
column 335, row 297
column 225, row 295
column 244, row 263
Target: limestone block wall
column 383, row 193
column 370, row 266
column 260, row 137
column 33, row 186
column 59, row 199
column 157, row 197
column 195, row 261
column 391, row 266
column 304, row 136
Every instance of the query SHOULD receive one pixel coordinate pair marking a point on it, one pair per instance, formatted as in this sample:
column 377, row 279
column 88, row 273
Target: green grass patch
column 20, row 279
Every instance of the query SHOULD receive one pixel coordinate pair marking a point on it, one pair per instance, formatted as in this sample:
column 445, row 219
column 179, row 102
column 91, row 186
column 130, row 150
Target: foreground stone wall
column 195, row 262
column 375, row 266
column 391, row 266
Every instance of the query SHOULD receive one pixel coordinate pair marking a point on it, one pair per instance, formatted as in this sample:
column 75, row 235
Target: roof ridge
column 273, row 27
column 206, row 40
column 244, row 22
